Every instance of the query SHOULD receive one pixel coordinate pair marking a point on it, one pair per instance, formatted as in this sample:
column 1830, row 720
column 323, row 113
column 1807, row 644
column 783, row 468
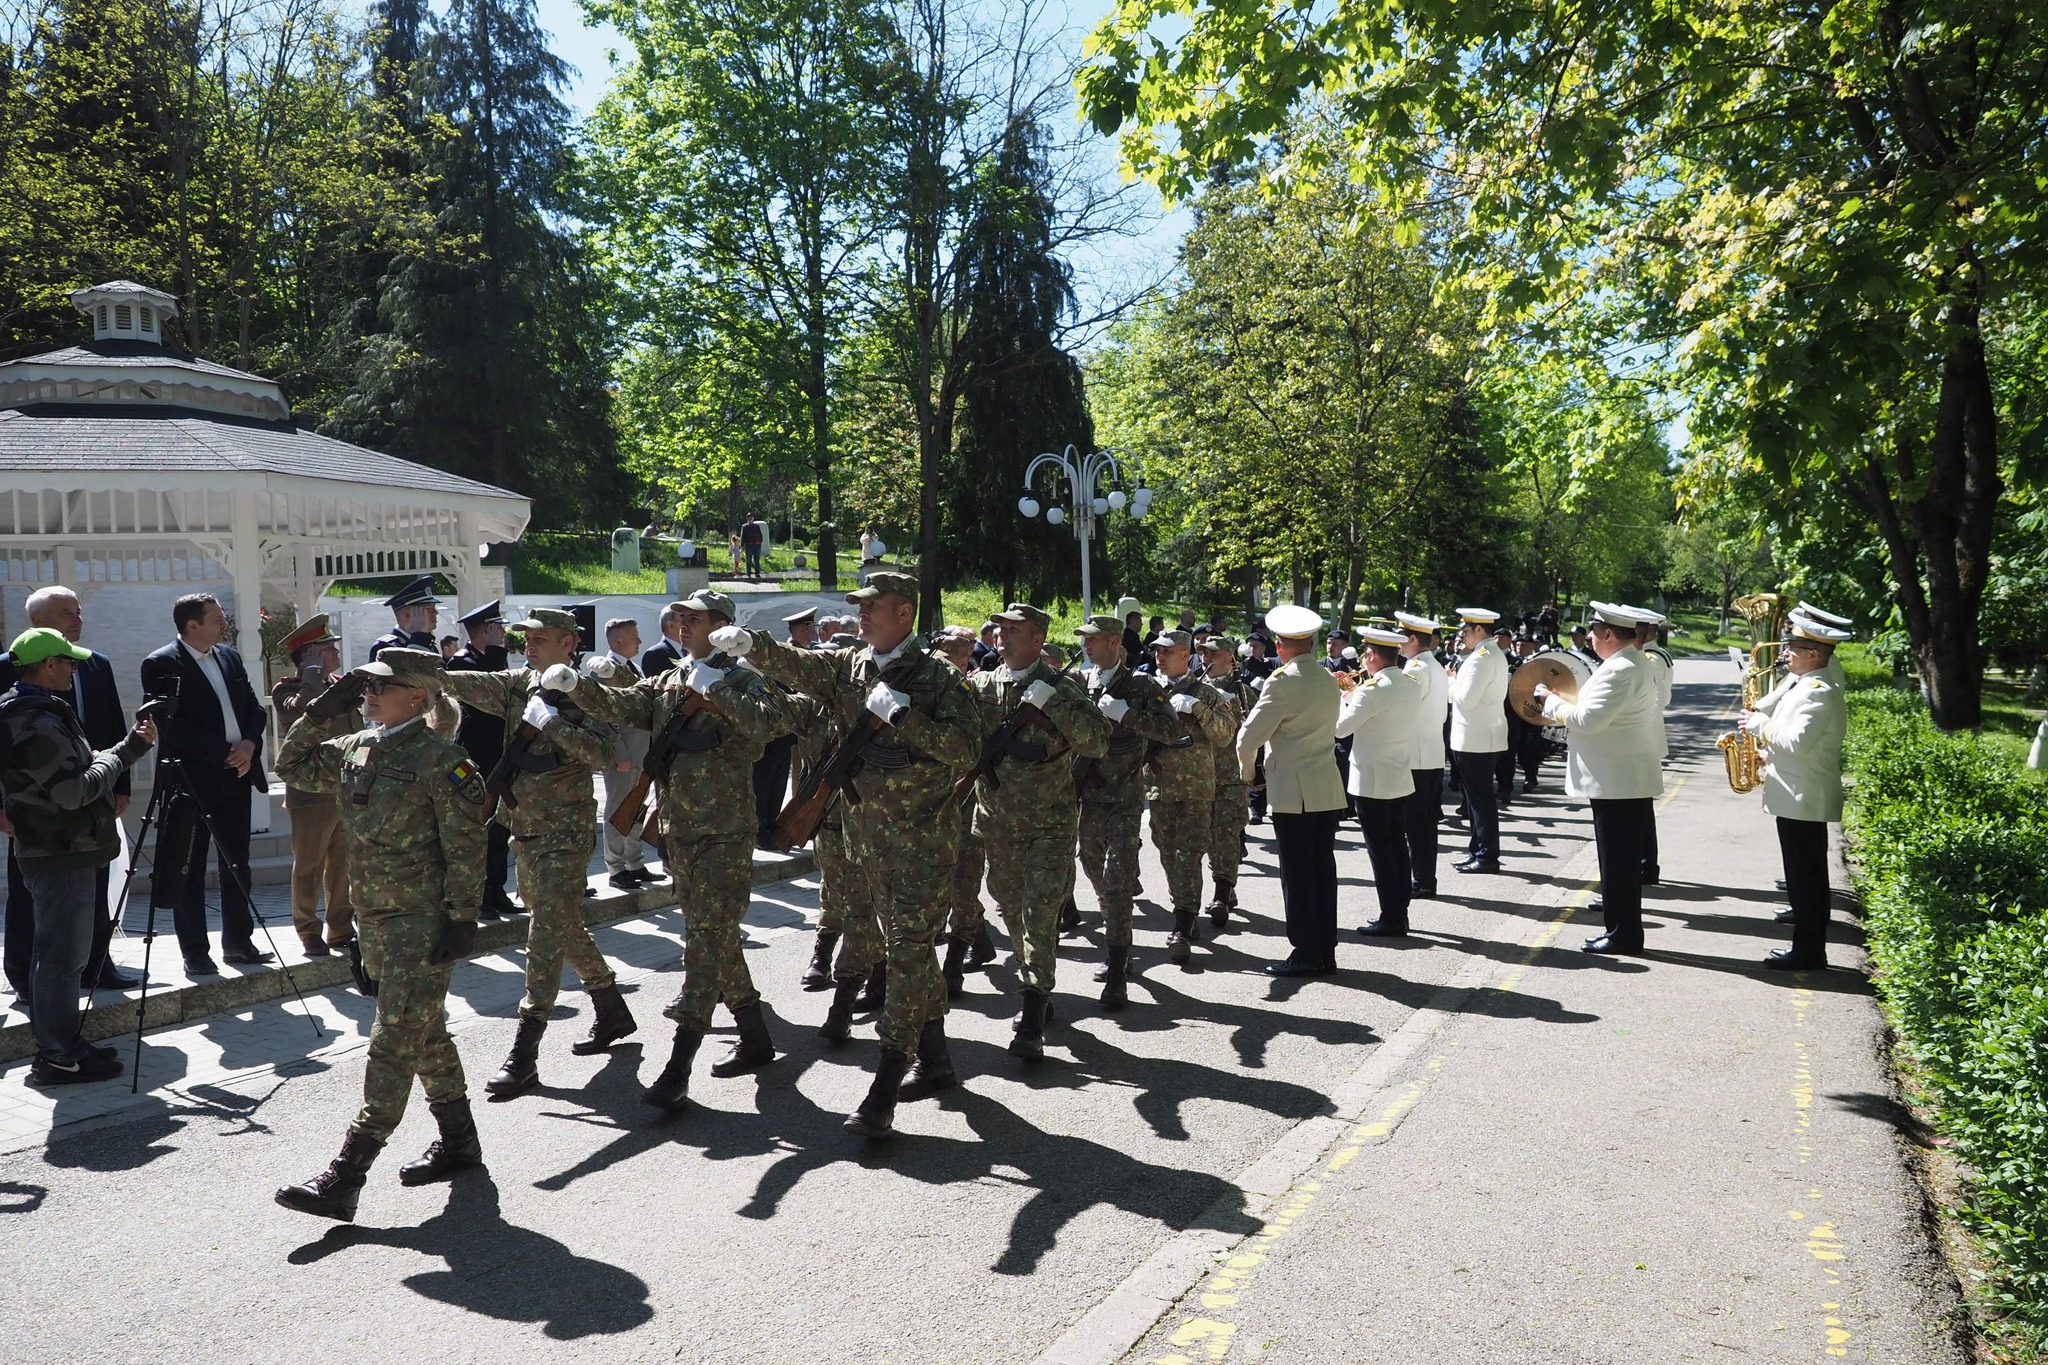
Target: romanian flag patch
column 465, row 778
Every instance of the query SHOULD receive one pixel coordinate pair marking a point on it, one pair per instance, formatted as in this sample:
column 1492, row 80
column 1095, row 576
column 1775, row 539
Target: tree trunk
column 1354, row 574
column 816, row 343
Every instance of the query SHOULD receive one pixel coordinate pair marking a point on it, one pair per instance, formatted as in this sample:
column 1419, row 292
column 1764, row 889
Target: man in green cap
column 1027, row 810
column 709, row 719
column 916, row 726
column 1182, row 783
column 1230, row 809
column 412, row 809
column 1112, row 789
column 552, row 746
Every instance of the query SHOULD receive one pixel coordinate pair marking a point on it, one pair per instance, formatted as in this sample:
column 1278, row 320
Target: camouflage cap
column 1024, row 614
column 717, row 603
column 1179, row 639
column 1219, row 644
column 419, row 668
column 546, row 618
column 885, row 583
column 1102, row 625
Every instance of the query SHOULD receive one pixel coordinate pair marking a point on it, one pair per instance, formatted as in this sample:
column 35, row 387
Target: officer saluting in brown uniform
column 319, row 848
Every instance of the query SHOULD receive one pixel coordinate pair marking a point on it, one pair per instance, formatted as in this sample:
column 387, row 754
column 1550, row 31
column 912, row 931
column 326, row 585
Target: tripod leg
column 149, row 817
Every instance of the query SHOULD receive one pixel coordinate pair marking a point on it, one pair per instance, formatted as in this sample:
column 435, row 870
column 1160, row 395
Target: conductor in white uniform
column 1380, row 716
column 1425, row 808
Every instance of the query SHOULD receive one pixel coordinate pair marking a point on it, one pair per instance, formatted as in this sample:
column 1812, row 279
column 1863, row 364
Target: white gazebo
column 125, row 465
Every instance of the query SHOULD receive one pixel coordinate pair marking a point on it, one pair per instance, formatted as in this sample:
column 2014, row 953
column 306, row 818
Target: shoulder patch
column 466, row 780
column 1816, row 683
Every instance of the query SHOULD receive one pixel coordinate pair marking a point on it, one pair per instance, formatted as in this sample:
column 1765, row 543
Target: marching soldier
column 546, row 799
column 1026, row 807
column 1181, row 784
column 412, row 806
column 1425, row 808
column 1802, row 738
column 709, row 718
column 414, row 618
column 1479, row 732
column 1112, row 790
column 482, row 736
column 319, row 847
column 968, row 945
column 1229, row 812
column 915, row 722
column 1380, row 715
column 1659, row 662
column 1613, row 763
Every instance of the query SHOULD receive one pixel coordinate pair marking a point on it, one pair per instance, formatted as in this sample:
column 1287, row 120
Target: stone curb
column 114, row 1014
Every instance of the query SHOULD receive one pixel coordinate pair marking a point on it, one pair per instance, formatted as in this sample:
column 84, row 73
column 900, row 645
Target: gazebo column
column 468, row 591
column 245, row 555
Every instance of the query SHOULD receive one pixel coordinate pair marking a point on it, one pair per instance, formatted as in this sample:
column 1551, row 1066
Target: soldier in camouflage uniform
column 916, row 724
column 551, row 809
column 1027, row 810
column 1112, row 790
column 1230, row 814
column 703, row 760
column 412, row 807
column 847, row 920
column 1182, row 784
column 967, row 921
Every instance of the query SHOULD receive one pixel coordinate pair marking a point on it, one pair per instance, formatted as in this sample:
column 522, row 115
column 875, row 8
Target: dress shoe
column 1609, row 944
column 1787, row 960
column 1314, row 967
column 1486, row 865
column 1423, row 891
column 316, row 947
column 589, row 891
column 112, row 978
column 251, row 956
column 1652, row 876
column 1780, row 884
column 646, row 878
column 1785, row 916
column 624, row 881
column 200, row 966
column 1379, row 928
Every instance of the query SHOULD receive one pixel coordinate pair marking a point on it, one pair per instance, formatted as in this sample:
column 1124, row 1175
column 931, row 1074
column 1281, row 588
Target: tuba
column 1765, row 612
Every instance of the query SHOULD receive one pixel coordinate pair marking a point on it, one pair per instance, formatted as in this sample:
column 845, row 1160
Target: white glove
column 732, row 639
column 604, row 670
column 1039, row 693
column 1258, row 684
column 703, row 677
column 537, row 711
column 1113, row 707
column 1183, row 702
column 886, row 702
column 559, row 678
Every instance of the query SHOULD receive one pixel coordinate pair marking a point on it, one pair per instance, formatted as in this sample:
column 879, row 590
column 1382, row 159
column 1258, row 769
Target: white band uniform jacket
column 1428, row 750
column 1380, row 715
column 1294, row 717
column 1802, row 738
column 1659, row 665
column 1831, row 670
column 1479, row 694
column 1615, row 726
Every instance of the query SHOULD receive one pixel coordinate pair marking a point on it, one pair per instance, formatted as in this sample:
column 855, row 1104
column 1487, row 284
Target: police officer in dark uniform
column 412, row 606
column 482, row 736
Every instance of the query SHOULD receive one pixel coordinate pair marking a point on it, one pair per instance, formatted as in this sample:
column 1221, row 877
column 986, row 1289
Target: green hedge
column 1951, row 840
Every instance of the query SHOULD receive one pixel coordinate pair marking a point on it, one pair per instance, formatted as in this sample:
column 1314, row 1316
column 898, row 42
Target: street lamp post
column 1096, row 485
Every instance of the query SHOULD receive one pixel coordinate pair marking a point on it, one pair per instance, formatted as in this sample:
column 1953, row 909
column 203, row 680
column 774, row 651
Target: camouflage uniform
column 1112, row 790
column 551, row 830
column 319, row 845
column 964, row 922
column 1229, row 815
column 412, row 807
column 845, row 905
column 1182, row 787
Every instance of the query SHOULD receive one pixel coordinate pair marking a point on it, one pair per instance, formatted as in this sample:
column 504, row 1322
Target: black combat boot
column 1070, row 918
column 984, row 950
column 333, row 1192
column 610, row 1021
column 1181, row 941
column 876, row 1117
column 521, row 1071
column 457, row 1149
column 1222, row 903
column 933, row 1069
column 818, row 975
column 838, row 1025
column 1114, row 996
column 954, row 968
column 752, row 1050
column 1027, row 1037
column 671, row 1089
column 877, row 989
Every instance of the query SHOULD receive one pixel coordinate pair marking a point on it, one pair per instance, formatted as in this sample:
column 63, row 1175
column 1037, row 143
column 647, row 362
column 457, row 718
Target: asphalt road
column 1552, row 1158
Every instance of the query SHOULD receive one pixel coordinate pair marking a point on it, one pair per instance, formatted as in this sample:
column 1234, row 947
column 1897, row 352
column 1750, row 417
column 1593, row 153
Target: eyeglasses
column 383, row 685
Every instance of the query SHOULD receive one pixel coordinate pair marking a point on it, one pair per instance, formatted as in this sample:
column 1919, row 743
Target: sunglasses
column 383, row 685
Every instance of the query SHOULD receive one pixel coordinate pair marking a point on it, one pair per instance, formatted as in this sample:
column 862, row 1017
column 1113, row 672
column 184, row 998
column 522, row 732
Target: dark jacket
column 197, row 735
column 481, row 734
column 660, row 659
column 105, row 725
column 58, row 792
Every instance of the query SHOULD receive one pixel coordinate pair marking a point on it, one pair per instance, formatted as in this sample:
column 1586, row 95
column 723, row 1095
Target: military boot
column 954, row 968
column 984, row 950
column 1070, row 918
column 752, row 1050
column 333, row 1192
column 1222, row 903
column 877, row 989
column 876, row 1117
column 818, row 975
column 1181, row 941
column 933, row 1069
column 457, row 1149
column 1027, row 1035
column 521, row 1071
column 671, row 1089
column 610, row 1021
column 838, row 1025
column 1114, row 996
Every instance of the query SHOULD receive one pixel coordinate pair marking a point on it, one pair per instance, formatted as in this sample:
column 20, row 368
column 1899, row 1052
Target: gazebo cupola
column 122, row 310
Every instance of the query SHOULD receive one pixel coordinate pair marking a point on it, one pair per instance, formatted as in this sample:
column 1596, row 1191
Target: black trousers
column 1422, row 813
column 771, row 783
column 1618, row 828
column 1652, row 869
column 1307, row 845
column 1529, row 752
column 1804, row 844
column 1384, row 823
column 1482, row 803
column 183, row 846
column 497, row 865
column 21, row 929
column 1504, row 771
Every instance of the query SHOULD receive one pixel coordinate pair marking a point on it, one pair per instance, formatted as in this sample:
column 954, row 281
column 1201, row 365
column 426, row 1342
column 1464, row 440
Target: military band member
column 1613, row 763
column 1026, row 808
column 319, row 847
column 1294, row 718
column 482, row 736
column 1802, row 737
column 1658, row 660
column 412, row 807
column 1181, row 784
column 1229, row 811
column 552, row 746
column 708, row 719
column 1479, row 733
column 414, row 618
column 904, row 832
column 1832, row 670
column 1425, row 807
column 1381, row 715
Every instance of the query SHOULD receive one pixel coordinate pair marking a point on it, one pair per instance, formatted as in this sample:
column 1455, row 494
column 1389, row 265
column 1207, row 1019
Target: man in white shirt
column 1658, row 662
column 1479, row 733
column 1802, row 737
column 1425, row 805
column 1380, row 715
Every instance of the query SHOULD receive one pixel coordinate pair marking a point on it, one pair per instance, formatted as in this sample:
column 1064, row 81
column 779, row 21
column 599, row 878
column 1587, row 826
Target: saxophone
column 1744, row 757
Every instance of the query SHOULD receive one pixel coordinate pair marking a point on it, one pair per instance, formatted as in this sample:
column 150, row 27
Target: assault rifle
column 633, row 816
column 798, row 823
column 998, row 741
column 498, row 782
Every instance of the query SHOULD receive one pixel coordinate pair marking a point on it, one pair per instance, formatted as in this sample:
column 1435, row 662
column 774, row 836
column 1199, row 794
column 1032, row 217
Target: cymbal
column 1549, row 669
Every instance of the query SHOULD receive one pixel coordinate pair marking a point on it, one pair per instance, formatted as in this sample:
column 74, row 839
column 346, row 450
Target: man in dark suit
column 414, row 618
column 97, row 701
column 216, row 739
column 482, row 736
column 669, row 652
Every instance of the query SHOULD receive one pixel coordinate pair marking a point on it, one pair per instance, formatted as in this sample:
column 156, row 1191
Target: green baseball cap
column 883, row 583
column 545, row 618
column 716, row 603
column 419, row 668
column 40, row 643
column 1101, row 625
column 1024, row 614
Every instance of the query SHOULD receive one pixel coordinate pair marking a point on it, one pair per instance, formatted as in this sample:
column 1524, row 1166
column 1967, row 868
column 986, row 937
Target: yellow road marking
column 1822, row 1242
